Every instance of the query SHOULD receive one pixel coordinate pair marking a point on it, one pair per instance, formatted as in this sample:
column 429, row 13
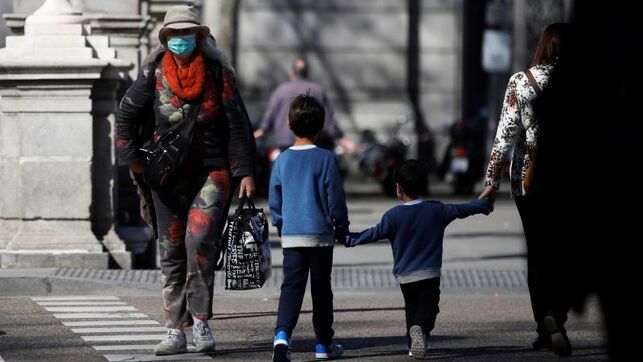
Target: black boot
column 559, row 342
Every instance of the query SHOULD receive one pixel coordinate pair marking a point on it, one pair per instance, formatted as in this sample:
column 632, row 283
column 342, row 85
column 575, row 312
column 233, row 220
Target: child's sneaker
column 411, row 353
column 281, row 347
column 418, row 342
column 174, row 343
column 203, row 338
column 331, row 351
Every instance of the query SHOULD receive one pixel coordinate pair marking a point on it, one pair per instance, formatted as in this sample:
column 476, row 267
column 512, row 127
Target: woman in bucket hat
column 189, row 79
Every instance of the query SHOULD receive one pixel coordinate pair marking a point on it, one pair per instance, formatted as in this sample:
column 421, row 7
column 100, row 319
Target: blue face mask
column 182, row 45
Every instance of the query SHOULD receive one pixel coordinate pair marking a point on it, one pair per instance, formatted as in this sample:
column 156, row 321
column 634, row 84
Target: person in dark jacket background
column 189, row 80
column 275, row 118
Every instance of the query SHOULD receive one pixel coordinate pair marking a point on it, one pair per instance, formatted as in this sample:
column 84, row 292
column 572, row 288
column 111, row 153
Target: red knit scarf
column 187, row 82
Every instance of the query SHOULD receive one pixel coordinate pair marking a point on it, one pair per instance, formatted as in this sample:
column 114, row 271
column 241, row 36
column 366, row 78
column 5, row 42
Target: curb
column 345, row 279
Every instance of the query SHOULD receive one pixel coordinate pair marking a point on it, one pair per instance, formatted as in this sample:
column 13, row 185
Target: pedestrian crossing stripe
column 119, row 308
column 111, row 323
column 144, row 358
column 73, row 298
column 119, row 330
column 68, row 303
column 99, row 315
column 103, row 321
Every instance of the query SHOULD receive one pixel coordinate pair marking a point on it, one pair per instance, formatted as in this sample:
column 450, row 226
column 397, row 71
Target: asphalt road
column 474, row 327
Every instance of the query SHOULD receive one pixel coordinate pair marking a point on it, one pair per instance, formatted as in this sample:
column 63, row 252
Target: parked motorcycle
column 379, row 160
column 463, row 161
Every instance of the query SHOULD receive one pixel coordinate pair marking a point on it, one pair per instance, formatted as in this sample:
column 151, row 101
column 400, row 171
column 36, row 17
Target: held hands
column 340, row 234
column 247, row 187
column 489, row 193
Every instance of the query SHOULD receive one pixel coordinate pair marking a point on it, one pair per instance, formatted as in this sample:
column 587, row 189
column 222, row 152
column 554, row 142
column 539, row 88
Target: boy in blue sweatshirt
column 308, row 207
column 416, row 231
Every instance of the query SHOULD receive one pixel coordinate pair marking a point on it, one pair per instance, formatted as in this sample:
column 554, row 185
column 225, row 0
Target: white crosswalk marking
column 101, row 320
column 68, row 303
column 118, row 330
column 99, row 315
column 79, row 298
column 111, row 323
column 120, row 308
column 146, row 358
column 129, row 337
column 123, row 347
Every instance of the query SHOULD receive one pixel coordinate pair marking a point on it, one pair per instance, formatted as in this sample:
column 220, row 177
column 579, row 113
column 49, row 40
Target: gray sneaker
column 203, row 338
column 174, row 343
column 418, row 342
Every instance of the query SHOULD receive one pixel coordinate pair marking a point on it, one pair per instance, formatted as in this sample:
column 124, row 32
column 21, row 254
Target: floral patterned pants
column 188, row 219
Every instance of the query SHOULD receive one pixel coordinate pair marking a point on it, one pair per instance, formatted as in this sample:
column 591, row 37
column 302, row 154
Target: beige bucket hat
column 181, row 17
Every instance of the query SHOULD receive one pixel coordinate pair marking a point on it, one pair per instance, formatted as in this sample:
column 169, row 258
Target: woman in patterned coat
column 190, row 79
column 518, row 130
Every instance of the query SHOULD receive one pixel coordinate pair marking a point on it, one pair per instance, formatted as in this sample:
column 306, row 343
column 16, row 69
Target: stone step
column 47, row 41
column 50, row 53
column 98, row 41
column 58, row 29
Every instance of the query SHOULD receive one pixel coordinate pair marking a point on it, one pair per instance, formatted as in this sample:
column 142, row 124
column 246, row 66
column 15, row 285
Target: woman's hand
column 247, row 187
column 137, row 166
column 489, row 193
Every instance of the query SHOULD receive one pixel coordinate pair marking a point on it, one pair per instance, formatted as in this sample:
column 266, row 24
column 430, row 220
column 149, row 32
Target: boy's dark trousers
column 296, row 265
column 421, row 304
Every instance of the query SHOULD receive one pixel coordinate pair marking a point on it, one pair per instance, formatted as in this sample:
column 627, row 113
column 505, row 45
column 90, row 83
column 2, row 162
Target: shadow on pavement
column 242, row 315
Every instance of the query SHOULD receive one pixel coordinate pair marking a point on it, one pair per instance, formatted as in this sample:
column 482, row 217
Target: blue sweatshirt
column 307, row 198
column 416, row 232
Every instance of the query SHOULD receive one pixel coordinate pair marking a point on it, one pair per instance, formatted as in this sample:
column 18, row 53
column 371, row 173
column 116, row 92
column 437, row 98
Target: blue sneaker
column 281, row 347
column 331, row 351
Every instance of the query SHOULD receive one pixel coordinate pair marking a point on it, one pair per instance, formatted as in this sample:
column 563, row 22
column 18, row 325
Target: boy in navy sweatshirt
column 308, row 207
column 416, row 231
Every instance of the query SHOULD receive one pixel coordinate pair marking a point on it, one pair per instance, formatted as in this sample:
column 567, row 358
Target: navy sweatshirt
column 416, row 232
column 306, row 197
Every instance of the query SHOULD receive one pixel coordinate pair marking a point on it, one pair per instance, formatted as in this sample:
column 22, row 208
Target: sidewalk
column 482, row 254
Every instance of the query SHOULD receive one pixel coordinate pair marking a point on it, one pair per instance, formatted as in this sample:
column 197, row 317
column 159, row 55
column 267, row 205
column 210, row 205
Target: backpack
column 246, row 248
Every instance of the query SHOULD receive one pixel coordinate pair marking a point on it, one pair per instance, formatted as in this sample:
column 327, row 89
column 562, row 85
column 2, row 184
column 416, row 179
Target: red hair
column 551, row 44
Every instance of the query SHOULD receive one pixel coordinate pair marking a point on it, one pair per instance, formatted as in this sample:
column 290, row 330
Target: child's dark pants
column 297, row 263
column 421, row 304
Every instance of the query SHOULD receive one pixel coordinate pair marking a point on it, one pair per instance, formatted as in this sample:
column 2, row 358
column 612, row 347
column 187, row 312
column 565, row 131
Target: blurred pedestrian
column 189, row 81
column 518, row 130
column 275, row 118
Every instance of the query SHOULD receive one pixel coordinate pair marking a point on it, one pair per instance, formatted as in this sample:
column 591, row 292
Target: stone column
column 128, row 34
column 57, row 103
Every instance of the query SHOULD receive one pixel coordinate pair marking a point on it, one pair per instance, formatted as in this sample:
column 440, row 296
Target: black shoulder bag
column 167, row 157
